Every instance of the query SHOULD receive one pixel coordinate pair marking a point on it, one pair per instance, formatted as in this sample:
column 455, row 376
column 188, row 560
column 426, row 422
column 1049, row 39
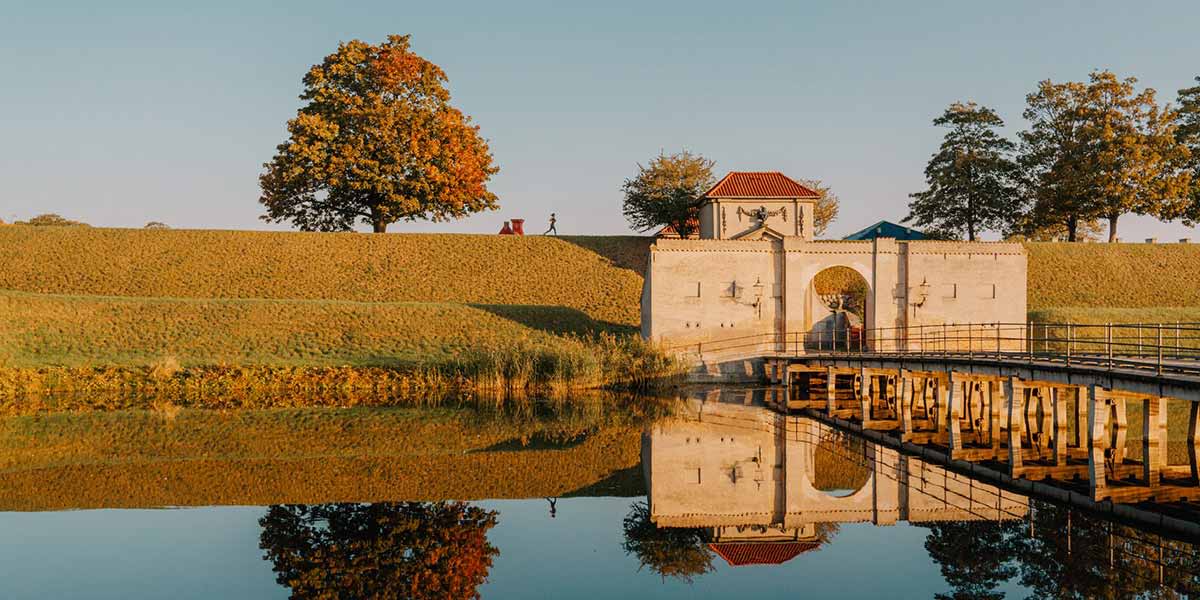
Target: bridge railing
column 1162, row 347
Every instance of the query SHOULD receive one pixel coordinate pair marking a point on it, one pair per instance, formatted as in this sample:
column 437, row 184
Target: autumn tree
column 1138, row 166
column 972, row 179
column 666, row 191
column 377, row 141
column 1187, row 133
column 381, row 550
column 825, row 211
column 1101, row 150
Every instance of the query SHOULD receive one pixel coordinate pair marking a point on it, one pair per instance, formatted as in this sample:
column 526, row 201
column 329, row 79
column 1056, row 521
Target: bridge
column 1094, row 415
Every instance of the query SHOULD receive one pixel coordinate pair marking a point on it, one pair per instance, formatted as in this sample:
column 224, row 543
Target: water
column 721, row 500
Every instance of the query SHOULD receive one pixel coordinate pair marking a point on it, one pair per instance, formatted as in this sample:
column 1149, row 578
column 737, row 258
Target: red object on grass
column 506, row 230
column 518, row 226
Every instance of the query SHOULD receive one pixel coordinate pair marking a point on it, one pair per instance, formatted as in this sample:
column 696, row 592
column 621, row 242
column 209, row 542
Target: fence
column 1163, row 347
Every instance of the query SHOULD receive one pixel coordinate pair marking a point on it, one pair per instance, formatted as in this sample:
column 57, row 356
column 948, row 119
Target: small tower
column 754, row 205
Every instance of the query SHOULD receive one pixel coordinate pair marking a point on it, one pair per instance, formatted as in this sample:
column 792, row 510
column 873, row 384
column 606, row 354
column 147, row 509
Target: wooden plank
column 830, row 390
column 1016, row 396
column 1121, row 426
column 1193, row 441
column 995, row 405
column 1153, row 439
column 954, row 423
column 1059, row 404
column 906, row 398
column 1097, row 427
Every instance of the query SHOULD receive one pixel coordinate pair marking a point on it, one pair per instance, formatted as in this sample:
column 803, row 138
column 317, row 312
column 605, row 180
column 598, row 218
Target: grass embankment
column 1114, row 283
column 141, row 459
column 490, row 311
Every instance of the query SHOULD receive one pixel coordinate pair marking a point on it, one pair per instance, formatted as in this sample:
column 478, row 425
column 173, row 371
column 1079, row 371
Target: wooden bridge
column 1092, row 415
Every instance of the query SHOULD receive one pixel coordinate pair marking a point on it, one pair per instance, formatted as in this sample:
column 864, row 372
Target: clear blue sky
column 118, row 113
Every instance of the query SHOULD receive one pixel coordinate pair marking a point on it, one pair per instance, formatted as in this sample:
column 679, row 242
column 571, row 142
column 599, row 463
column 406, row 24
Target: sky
column 119, row 113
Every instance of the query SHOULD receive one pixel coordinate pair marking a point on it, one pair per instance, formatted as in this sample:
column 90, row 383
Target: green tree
column 376, row 141
column 1188, row 134
column 51, row 220
column 675, row 552
column 975, row 556
column 1053, row 158
column 381, row 550
column 972, row 179
column 825, row 211
column 666, row 192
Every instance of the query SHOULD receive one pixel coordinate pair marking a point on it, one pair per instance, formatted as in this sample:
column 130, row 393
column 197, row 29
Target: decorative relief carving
column 761, row 213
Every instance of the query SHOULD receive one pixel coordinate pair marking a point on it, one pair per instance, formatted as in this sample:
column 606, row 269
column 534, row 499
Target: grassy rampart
column 131, row 459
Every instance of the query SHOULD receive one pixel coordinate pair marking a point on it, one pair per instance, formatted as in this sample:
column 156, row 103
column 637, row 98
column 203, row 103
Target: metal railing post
column 944, row 339
column 1139, row 338
column 997, row 340
column 970, row 342
column 1108, row 339
column 1068, row 342
column 1029, row 339
column 1160, row 348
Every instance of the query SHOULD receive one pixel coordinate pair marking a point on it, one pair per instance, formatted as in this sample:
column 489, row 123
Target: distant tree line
column 1093, row 152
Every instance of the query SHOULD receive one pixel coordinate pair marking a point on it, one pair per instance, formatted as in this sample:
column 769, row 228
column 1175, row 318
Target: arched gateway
column 746, row 285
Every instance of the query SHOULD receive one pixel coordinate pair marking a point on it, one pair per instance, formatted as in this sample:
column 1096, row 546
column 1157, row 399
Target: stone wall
column 719, row 291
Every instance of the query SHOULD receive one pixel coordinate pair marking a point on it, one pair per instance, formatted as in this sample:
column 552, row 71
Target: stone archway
column 839, row 309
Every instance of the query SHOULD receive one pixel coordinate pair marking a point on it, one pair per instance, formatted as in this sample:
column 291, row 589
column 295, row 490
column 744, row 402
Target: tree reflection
column 676, row 552
column 975, row 556
column 382, row 550
column 1061, row 553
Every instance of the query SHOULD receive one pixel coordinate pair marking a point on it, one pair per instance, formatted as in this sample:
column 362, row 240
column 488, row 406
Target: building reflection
column 767, row 487
column 732, row 480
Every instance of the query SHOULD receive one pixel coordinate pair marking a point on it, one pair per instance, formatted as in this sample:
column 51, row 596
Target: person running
column 552, row 228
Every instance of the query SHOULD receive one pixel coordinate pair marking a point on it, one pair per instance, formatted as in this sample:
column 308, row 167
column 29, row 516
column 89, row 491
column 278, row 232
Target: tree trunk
column 1112, row 228
column 1072, row 226
column 378, row 224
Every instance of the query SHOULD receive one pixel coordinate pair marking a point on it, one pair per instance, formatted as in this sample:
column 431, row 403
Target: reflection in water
column 381, row 550
column 739, row 482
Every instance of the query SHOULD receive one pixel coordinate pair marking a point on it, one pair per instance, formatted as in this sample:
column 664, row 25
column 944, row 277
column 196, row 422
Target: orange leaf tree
column 376, row 141
column 381, row 550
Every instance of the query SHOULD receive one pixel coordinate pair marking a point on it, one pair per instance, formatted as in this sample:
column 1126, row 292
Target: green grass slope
column 77, row 331
column 1113, row 275
column 600, row 277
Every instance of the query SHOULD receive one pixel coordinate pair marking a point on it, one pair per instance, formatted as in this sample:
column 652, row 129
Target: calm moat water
column 719, row 499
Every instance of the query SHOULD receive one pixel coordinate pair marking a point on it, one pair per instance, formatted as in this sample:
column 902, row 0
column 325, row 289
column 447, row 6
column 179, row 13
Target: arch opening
column 840, row 466
column 841, row 299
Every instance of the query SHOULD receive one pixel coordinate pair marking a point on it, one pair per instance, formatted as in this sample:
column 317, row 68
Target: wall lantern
column 758, row 288
column 922, row 293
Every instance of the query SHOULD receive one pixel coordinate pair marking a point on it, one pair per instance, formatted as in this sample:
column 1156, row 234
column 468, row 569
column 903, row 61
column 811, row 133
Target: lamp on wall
column 922, row 293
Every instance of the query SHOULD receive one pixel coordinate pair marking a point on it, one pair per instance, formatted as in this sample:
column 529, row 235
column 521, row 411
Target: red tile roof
column 739, row 554
column 765, row 184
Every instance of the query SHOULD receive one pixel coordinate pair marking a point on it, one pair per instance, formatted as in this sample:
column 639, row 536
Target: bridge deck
column 1014, row 423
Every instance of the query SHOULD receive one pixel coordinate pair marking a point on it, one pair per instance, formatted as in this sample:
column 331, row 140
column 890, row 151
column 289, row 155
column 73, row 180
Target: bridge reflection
column 730, row 480
column 747, row 474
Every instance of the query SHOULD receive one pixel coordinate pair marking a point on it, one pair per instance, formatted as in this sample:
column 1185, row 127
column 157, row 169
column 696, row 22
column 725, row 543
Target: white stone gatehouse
column 751, row 273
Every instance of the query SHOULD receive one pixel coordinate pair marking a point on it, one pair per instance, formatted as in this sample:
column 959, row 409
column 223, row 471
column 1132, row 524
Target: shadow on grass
column 623, row 251
column 558, row 320
column 625, row 483
column 537, row 441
